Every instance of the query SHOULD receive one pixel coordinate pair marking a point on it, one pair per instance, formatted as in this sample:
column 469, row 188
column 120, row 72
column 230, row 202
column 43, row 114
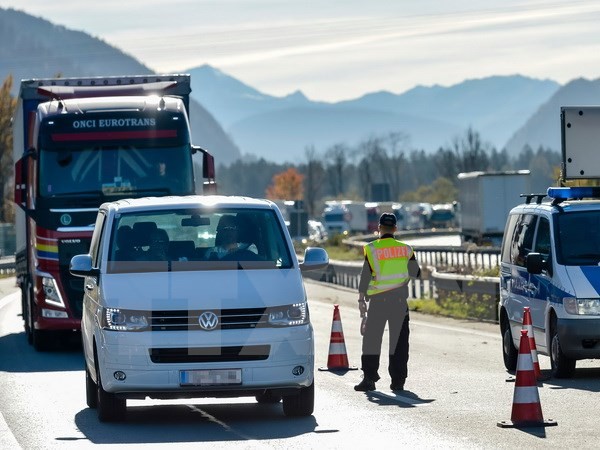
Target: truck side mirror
column 208, row 170
column 20, row 193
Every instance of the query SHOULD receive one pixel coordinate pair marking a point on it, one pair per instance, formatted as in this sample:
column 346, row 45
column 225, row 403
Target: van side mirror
column 314, row 258
column 535, row 263
column 81, row 266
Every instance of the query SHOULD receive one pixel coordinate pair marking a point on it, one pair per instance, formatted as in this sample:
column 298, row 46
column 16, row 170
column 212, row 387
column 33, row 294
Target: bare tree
column 336, row 158
column 7, row 108
column 314, row 177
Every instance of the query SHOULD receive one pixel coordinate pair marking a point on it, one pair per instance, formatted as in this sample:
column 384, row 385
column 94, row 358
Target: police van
column 550, row 261
column 198, row 296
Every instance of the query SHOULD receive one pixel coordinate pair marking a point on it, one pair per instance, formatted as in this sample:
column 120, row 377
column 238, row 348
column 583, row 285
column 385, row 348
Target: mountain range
column 31, row 47
column 233, row 119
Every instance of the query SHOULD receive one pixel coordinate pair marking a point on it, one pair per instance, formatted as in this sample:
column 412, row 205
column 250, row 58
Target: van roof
column 190, row 201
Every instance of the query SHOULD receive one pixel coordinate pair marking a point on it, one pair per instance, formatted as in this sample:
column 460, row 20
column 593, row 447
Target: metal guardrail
column 434, row 260
column 7, row 265
column 437, row 263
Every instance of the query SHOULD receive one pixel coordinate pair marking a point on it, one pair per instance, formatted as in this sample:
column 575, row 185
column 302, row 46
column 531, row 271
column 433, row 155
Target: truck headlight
column 289, row 315
column 582, row 306
column 51, row 293
column 116, row 319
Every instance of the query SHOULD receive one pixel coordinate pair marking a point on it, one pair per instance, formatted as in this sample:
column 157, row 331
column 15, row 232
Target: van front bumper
column 131, row 353
column 580, row 338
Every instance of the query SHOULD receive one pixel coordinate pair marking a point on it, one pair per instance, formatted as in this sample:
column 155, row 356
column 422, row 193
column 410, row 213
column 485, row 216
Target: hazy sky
column 341, row 49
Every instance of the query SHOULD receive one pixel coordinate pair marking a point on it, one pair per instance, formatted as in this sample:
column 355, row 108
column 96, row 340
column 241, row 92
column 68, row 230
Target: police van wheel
column 561, row 365
column 301, row 404
column 509, row 352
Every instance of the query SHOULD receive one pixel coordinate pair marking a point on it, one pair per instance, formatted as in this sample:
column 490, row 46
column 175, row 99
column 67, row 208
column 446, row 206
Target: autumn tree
column 7, row 108
column 286, row 185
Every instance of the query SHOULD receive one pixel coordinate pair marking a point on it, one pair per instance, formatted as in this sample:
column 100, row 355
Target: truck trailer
column 485, row 201
column 80, row 142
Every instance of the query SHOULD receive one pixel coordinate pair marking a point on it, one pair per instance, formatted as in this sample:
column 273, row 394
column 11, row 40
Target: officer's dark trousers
column 391, row 308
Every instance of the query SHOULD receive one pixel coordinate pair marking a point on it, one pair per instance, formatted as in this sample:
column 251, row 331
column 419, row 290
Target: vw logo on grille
column 208, row 320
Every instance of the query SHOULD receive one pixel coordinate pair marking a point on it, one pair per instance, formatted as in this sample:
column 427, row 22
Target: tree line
column 340, row 171
column 351, row 172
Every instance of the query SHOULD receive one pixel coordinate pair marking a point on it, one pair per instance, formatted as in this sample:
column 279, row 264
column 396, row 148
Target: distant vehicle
column 442, row 216
column 345, row 216
column 485, row 199
column 417, row 215
column 317, row 231
column 245, row 332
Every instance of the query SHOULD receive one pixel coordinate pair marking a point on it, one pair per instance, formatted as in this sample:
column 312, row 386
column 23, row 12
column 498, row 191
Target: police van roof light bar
column 575, row 193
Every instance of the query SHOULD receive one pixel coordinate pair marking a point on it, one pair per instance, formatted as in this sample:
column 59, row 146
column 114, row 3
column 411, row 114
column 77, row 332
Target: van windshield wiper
column 95, row 192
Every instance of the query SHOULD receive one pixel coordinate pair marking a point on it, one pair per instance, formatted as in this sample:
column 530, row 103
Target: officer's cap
column 387, row 220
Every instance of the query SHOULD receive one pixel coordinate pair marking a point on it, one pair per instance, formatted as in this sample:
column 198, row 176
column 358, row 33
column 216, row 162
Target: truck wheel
column 91, row 390
column 561, row 365
column 26, row 299
column 110, row 407
column 509, row 352
column 300, row 404
column 41, row 340
column 267, row 397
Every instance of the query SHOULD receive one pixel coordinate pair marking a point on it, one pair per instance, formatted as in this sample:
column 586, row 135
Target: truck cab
column 77, row 144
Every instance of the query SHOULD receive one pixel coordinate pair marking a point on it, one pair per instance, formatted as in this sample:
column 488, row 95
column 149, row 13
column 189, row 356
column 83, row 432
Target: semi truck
column 79, row 142
column 485, row 201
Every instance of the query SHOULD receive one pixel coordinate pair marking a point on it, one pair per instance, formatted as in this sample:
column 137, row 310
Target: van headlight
column 582, row 306
column 289, row 315
column 116, row 319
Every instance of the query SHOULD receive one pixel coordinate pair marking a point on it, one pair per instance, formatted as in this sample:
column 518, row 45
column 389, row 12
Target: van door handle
column 89, row 287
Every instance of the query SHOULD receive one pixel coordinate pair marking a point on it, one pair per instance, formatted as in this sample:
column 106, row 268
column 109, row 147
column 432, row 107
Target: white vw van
column 198, row 296
column 551, row 263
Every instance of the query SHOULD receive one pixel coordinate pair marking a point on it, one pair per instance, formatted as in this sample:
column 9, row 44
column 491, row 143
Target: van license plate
column 212, row 377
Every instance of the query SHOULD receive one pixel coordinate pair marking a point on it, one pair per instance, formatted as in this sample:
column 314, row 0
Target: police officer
column 387, row 269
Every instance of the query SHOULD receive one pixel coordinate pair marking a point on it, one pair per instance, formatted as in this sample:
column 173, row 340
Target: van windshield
column 579, row 238
column 196, row 239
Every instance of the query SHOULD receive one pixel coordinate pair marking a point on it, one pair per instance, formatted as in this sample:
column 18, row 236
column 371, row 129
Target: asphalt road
column 456, row 393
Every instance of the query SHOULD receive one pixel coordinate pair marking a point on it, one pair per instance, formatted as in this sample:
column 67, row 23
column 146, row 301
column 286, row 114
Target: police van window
column 508, row 237
column 542, row 241
column 579, row 235
column 522, row 243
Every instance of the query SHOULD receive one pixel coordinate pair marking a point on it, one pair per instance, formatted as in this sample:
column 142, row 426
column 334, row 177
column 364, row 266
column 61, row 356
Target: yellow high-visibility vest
column 389, row 261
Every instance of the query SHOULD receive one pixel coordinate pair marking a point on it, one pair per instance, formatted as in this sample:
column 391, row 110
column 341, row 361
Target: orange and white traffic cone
column 526, row 410
column 338, row 358
column 528, row 326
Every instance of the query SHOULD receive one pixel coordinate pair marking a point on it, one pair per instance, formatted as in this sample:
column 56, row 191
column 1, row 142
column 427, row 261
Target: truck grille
column 67, row 248
column 74, row 291
column 229, row 319
column 210, row 354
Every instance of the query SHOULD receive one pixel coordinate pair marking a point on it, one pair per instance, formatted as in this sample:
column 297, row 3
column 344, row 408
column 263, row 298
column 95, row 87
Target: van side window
column 522, row 243
column 95, row 249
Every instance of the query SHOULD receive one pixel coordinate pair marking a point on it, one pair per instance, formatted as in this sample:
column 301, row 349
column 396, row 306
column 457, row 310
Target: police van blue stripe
column 592, row 274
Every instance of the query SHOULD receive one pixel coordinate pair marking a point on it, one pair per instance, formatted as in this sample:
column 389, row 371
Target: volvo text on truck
column 79, row 142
